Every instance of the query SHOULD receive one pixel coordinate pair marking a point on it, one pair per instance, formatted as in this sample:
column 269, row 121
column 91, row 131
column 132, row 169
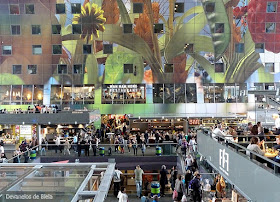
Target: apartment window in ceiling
column 219, row 67
column 137, row 7
column 219, row 28
column 36, row 29
column 179, row 8
column 158, row 28
column 16, row 69
column 127, row 28
column 36, row 49
column 210, row 7
column 270, row 27
column 57, row 49
column 269, row 67
column 14, row 9
column 87, row 49
column 62, row 69
column 271, row 7
column 189, row 48
column 239, row 47
column 128, row 68
column 259, row 47
column 15, row 29
column 56, row 29
column 168, row 68
column 75, row 8
column 6, row 50
column 76, row 29
column 107, row 48
column 60, row 8
column 32, row 69
column 29, row 9
column 78, row 69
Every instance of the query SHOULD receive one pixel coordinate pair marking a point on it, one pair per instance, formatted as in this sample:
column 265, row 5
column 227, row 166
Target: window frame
column 105, row 45
column 12, row 30
column 177, row 4
column 75, row 7
column 126, row 24
column 3, row 50
column 207, row 4
column 59, row 65
column 53, row 49
column 35, row 70
column 128, row 68
column 215, row 28
column 33, row 48
column 10, row 9
column 73, row 70
column 53, row 29
column 134, row 9
column 267, row 27
column 32, row 30
column 74, row 25
column 164, row 68
column 59, row 12
column 26, row 10
column 13, row 72
column 266, row 10
column 237, row 48
column 84, row 49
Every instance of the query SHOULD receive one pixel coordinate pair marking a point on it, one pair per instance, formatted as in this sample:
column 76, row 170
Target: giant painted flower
column 92, row 21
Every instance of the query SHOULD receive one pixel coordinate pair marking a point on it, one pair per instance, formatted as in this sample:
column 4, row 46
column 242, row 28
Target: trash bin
column 101, row 151
column 32, row 154
column 155, row 189
column 158, row 151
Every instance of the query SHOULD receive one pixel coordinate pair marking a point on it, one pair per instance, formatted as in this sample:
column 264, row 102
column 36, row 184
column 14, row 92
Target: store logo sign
column 224, row 161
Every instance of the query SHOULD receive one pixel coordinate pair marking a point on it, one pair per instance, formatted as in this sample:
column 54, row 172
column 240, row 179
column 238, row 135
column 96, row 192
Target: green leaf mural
column 8, row 79
column 123, row 12
column 186, row 34
column 220, row 40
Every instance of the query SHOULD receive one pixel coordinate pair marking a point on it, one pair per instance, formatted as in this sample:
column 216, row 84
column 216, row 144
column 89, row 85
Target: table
column 271, row 154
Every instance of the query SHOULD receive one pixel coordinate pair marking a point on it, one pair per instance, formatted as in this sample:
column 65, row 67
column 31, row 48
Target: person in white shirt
column 122, row 196
column 192, row 145
column 218, row 132
column 2, row 150
column 57, row 145
column 117, row 181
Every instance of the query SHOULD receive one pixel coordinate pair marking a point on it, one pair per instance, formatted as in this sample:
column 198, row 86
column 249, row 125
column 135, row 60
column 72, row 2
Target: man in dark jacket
column 163, row 179
column 196, row 194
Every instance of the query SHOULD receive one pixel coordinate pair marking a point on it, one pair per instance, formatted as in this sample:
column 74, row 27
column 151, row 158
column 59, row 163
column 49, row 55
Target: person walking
column 117, row 181
column 143, row 148
column 43, row 146
column 87, row 148
column 57, row 145
column 180, row 188
column 75, row 142
column 163, row 179
column 93, row 146
column 196, row 193
column 122, row 196
column 134, row 145
column 174, row 173
column 138, row 180
column 67, row 147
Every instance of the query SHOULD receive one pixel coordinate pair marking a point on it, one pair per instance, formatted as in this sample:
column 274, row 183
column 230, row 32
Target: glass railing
column 247, row 170
column 74, row 150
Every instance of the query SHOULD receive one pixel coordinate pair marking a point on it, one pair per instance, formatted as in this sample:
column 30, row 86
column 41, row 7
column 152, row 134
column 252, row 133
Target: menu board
column 194, row 121
column 25, row 131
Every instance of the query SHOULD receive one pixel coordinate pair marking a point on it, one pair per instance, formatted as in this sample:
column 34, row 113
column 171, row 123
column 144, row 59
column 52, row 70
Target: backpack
column 191, row 185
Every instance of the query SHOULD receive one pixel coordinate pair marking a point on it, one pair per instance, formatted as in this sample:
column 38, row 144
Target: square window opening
column 179, row 8
column 189, row 48
column 29, row 9
column 16, row 69
column 219, row 68
column 61, row 69
column 6, row 50
column 128, row 68
column 269, row 67
column 57, row 49
column 15, row 29
column 76, row 29
column 32, row 69
column 127, row 28
column 36, row 29
column 210, row 7
column 138, row 7
column 168, row 68
column 158, row 28
column 107, row 48
column 75, row 8
column 36, row 49
column 56, row 29
column 259, row 48
column 271, row 7
column 78, row 69
column 60, row 8
column 239, row 47
column 270, row 27
column 87, row 49
column 219, row 28
column 14, row 9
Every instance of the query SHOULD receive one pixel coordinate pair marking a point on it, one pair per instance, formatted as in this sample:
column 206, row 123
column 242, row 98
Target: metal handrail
column 238, row 147
column 27, row 150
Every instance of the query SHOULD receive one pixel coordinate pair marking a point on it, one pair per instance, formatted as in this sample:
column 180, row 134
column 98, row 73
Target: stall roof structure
column 55, row 181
